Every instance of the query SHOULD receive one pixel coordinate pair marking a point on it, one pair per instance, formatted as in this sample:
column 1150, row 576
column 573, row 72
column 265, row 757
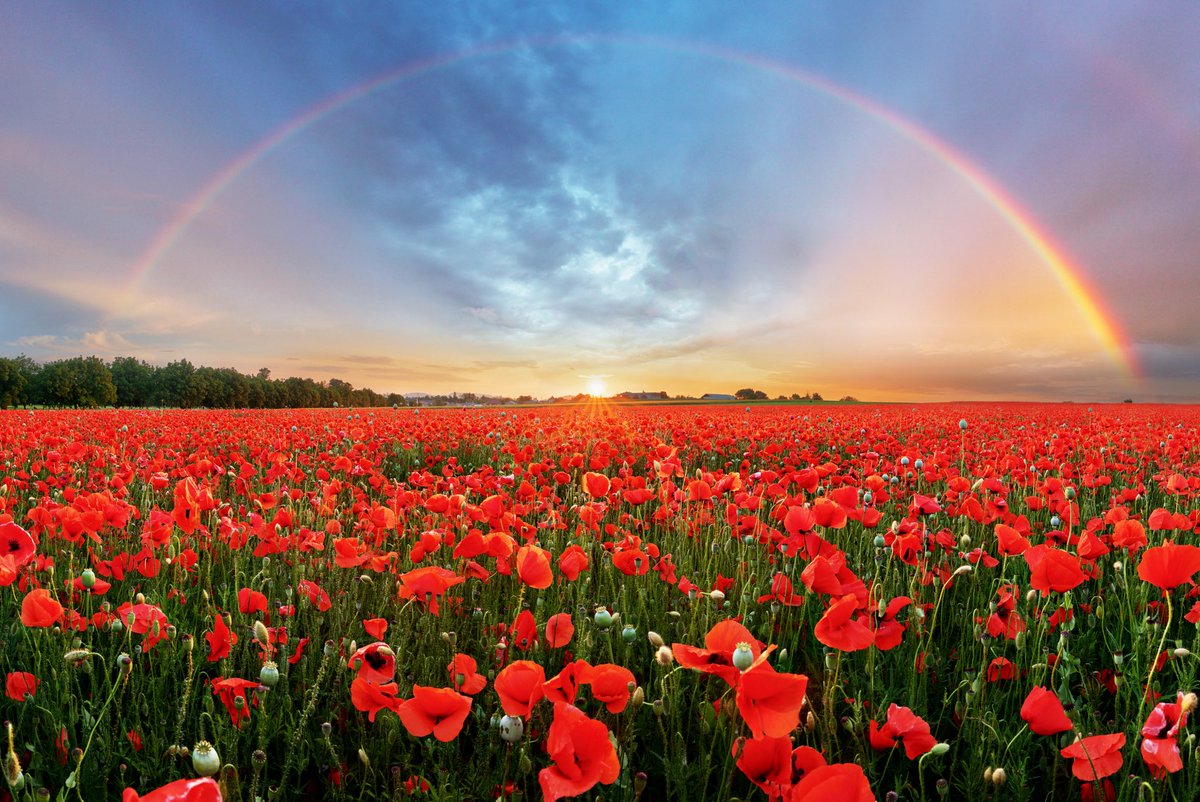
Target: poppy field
column 986, row 601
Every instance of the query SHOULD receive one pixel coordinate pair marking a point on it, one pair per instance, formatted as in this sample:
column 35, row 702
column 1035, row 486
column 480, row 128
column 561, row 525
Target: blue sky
column 632, row 194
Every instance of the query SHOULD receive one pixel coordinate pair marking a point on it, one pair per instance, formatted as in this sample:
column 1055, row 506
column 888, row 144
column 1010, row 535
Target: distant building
column 717, row 397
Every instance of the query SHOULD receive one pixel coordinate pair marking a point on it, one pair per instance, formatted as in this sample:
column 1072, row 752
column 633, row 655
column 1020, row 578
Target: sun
column 596, row 387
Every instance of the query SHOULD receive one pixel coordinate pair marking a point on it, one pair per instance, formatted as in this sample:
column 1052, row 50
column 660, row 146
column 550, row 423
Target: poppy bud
column 526, row 764
column 717, row 596
column 1182, row 652
column 999, row 777
column 637, row 698
column 76, row 657
column 140, row 598
column 658, row 707
column 939, row 749
column 654, row 638
column 664, row 656
column 987, row 775
column 326, row 728
column 205, row 759
column 363, row 758
column 261, row 634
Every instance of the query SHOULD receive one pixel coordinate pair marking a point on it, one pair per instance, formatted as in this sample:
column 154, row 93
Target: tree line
column 129, row 382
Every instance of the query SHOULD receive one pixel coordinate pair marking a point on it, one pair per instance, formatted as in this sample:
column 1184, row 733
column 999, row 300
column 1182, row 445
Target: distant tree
column 12, row 383
column 760, row 395
column 816, row 397
column 849, row 399
column 745, row 394
column 524, row 399
column 264, row 373
column 76, row 382
column 173, row 386
column 795, row 396
column 133, row 379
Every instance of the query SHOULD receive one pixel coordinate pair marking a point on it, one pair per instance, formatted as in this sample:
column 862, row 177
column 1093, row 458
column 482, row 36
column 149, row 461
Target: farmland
column 992, row 601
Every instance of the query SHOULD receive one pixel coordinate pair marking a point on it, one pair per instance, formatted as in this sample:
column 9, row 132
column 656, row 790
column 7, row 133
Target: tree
column 745, row 394
column 76, row 382
column 12, row 383
column 133, row 379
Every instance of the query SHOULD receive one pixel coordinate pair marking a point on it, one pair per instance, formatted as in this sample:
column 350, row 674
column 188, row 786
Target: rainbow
column 1069, row 275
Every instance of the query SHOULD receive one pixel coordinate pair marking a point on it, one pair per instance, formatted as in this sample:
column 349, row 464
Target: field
column 978, row 601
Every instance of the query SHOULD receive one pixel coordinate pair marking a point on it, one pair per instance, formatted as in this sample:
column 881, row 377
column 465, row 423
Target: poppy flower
column 371, row 697
column 231, row 691
column 595, row 485
column 376, row 627
column 838, row 630
column 573, row 561
column 533, row 567
column 837, row 782
column 1044, row 713
column 463, row 675
column 523, row 632
column 1169, row 565
column 440, row 711
column 564, row 685
column 203, row 789
column 1000, row 668
column 375, row 662
column 1096, row 757
column 559, row 630
column 907, row 727
column 581, row 752
column 611, row 685
column 220, row 640
column 251, row 601
column 20, row 683
column 1010, row 541
column 315, row 594
column 1160, row 749
column 40, row 609
column 147, row 619
column 1053, row 570
column 766, row 761
column 16, row 544
column 519, row 685
column 770, row 701
column 888, row 631
column 717, row 656
column 427, row 585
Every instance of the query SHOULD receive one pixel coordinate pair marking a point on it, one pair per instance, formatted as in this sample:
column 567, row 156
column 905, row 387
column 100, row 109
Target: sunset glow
column 808, row 201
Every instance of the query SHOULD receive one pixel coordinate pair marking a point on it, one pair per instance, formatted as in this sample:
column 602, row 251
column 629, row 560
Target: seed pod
column 205, row 759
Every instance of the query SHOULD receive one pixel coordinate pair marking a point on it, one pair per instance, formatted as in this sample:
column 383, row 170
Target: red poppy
column 564, row 685
column 19, row 684
column 232, row 692
column 220, row 640
column 1096, row 757
column 251, row 601
column 440, row 711
column 16, row 544
column 573, row 561
column 427, row 585
column 766, row 761
column 1044, row 713
column 611, row 685
column 203, row 789
column 314, row 593
column 1010, row 541
column 888, row 631
column 838, row 630
column 40, row 609
column 145, row 619
column 1169, row 565
column 1053, row 570
column 717, row 656
column 837, row 782
column 595, row 485
column 523, row 632
column 1160, row 749
column 770, row 701
column 371, row 697
column 463, row 675
column 1000, row 668
column 519, row 686
column 533, row 567
column 375, row 662
column 907, row 727
column 376, row 627
column 582, row 755
column 559, row 630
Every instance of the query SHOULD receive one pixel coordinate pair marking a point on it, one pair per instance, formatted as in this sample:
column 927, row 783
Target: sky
column 895, row 201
